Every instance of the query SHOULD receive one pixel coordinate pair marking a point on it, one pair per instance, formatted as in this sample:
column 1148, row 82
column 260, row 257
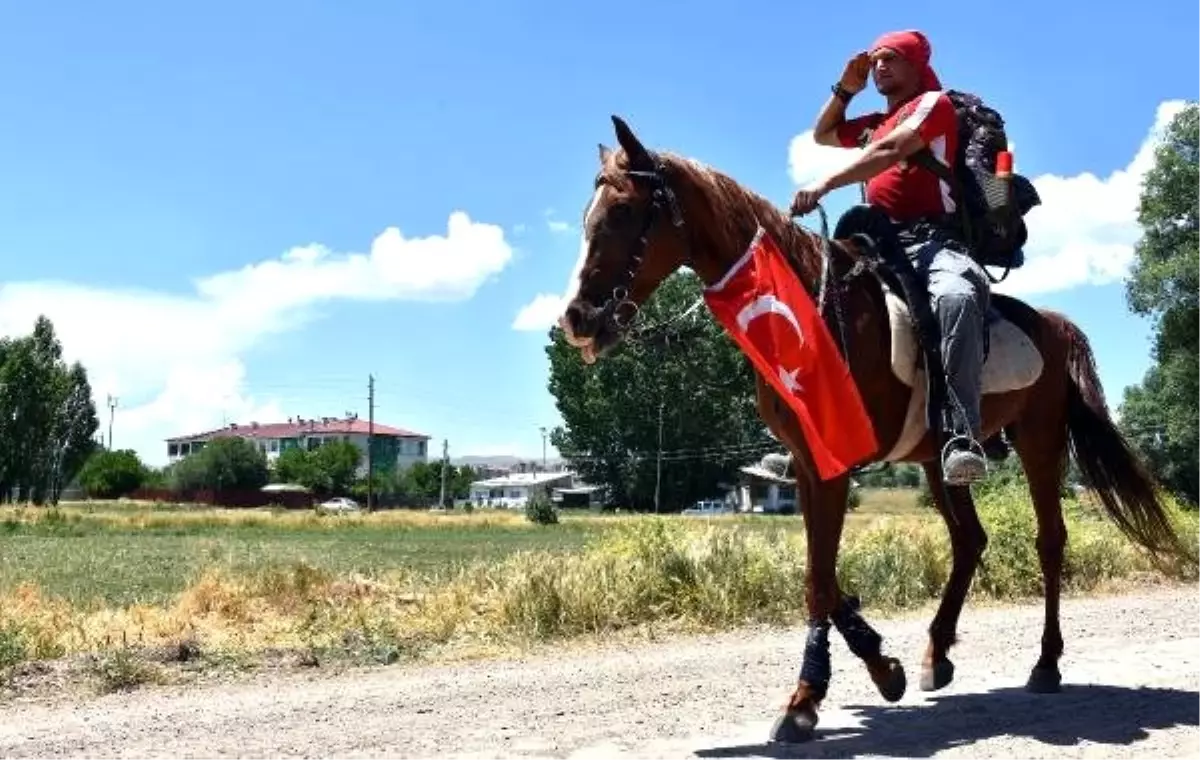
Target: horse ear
column 605, row 152
column 628, row 140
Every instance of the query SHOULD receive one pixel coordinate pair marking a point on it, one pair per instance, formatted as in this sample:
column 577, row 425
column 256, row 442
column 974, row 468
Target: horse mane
column 737, row 212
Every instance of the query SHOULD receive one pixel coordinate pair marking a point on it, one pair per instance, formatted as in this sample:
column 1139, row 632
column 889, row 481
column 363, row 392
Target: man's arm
column 932, row 117
column 833, row 114
column 901, row 143
column 831, row 118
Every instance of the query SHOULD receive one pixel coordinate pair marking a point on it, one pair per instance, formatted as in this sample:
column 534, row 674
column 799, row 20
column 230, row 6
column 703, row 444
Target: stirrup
column 972, row 444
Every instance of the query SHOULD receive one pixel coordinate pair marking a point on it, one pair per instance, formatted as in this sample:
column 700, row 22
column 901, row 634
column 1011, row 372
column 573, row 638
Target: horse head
column 633, row 238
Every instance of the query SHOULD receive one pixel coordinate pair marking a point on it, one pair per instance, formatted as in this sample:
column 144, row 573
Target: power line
column 680, row 455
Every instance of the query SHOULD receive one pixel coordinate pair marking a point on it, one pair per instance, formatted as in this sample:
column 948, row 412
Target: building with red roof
column 404, row 447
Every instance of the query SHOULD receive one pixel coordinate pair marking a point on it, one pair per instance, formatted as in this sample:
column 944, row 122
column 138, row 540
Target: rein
column 663, row 199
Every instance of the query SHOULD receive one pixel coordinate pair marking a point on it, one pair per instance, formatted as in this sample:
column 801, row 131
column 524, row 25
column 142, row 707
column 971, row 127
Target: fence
column 251, row 498
column 227, row 497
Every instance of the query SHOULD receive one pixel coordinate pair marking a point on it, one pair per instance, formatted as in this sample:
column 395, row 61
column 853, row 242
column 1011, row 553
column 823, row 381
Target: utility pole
column 445, row 467
column 543, row 429
column 112, row 412
column 658, row 472
column 370, row 442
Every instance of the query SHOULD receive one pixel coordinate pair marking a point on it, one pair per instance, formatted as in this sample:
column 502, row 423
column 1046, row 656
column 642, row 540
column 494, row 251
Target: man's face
column 892, row 73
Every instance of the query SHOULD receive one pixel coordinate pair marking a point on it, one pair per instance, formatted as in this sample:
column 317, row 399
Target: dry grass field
column 123, row 585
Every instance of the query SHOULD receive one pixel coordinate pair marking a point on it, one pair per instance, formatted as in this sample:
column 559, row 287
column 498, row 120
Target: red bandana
column 913, row 47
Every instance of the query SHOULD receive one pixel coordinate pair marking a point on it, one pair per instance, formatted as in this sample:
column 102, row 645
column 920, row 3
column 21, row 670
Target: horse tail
column 1127, row 490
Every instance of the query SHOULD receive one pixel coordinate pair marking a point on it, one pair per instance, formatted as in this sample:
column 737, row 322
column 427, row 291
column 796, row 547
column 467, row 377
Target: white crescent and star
column 769, row 304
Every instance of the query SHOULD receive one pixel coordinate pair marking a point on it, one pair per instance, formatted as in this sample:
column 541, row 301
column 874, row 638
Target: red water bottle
column 1004, row 164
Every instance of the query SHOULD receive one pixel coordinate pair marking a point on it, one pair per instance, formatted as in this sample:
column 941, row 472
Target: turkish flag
column 764, row 307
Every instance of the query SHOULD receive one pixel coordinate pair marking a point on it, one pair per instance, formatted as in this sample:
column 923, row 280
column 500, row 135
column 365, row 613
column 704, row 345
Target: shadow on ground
column 1105, row 715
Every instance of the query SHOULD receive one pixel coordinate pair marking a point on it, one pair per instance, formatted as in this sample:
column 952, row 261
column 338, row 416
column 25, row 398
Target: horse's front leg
column 824, row 509
column 886, row 672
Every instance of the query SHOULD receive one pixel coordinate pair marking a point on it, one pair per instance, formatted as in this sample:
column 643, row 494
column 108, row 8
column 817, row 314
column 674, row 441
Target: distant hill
column 500, row 460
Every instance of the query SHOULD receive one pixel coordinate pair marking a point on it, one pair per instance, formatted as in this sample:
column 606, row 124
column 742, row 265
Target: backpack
column 992, row 208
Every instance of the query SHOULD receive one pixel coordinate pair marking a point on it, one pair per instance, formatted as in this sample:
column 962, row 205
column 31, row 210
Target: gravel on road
column 1131, row 689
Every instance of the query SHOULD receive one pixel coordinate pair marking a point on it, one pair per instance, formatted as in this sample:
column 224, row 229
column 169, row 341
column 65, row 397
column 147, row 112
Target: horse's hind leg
column 967, row 542
column 1043, row 455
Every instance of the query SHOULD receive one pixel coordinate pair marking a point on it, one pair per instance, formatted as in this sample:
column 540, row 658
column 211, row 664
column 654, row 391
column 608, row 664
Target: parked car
column 339, row 504
column 708, row 507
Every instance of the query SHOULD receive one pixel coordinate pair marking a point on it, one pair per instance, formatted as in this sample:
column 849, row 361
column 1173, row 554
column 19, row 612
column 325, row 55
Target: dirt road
column 1130, row 675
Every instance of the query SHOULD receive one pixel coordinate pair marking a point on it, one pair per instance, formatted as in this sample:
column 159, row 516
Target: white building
column 766, row 486
column 404, row 447
column 512, row 491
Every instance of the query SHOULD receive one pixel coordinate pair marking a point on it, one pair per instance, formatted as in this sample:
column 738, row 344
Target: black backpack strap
column 924, row 159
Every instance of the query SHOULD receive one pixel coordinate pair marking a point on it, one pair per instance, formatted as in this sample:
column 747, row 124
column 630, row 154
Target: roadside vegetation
column 133, row 593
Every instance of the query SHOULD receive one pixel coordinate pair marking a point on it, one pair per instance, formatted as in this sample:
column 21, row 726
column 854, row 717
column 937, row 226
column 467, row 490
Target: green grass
column 112, row 554
column 112, row 581
column 125, row 564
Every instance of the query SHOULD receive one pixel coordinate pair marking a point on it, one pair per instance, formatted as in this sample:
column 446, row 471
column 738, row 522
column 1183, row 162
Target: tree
column 703, row 385
column 47, row 417
column 336, row 463
column 328, row 469
column 74, row 425
column 895, row 475
column 294, row 465
column 420, row 482
column 230, row 462
column 1161, row 414
column 112, row 474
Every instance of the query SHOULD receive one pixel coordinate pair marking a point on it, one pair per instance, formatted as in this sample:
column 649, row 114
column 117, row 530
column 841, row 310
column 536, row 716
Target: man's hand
column 807, row 199
column 858, row 68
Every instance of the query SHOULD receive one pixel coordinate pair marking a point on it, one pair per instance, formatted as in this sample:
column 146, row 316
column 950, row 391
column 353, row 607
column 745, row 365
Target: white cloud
column 557, row 225
column 174, row 360
column 543, row 311
column 1082, row 234
column 808, row 161
column 1085, row 230
column 540, row 313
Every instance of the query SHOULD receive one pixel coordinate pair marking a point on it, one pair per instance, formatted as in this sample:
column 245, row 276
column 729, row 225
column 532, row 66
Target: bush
column 539, row 510
column 232, row 463
column 642, row 571
column 853, row 499
column 112, row 474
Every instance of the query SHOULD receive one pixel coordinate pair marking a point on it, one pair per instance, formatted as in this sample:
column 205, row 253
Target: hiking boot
column 963, row 467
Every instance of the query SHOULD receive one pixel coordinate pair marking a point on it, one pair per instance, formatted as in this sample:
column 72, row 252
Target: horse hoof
column 895, row 683
column 937, row 676
column 1044, row 681
column 794, row 727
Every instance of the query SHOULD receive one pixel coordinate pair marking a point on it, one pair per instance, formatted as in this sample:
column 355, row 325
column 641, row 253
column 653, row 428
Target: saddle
column 1011, row 359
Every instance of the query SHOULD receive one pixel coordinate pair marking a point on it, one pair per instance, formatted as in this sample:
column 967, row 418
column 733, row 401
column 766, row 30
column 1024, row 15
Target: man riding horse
column 919, row 116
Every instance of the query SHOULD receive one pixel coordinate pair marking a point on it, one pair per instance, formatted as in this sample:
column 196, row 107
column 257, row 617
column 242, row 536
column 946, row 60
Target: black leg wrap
column 816, row 669
column 860, row 637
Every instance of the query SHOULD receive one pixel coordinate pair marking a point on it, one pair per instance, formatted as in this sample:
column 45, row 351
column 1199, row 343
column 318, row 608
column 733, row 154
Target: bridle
column 618, row 310
column 663, row 200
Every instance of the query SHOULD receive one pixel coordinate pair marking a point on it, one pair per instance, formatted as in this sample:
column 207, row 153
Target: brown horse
column 654, row 212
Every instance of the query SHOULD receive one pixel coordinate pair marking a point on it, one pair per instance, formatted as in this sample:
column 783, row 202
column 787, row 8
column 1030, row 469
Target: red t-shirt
column 907, row 192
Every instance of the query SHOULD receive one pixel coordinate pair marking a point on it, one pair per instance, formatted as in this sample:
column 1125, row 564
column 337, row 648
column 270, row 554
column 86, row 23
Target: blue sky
column 159, row 162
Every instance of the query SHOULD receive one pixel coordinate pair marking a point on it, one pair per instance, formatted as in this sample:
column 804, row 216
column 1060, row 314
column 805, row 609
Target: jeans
column 959, row 295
